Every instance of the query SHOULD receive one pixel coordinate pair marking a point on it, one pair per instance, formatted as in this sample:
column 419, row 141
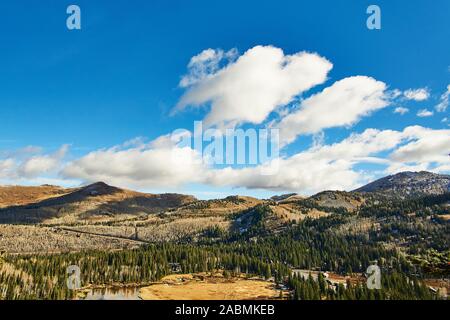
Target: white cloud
column 342, row 104
column 423, row 113
column 320, row 167
column 158, row 164
column 40, row 164
column 443, row 103
column 333, row 166
column 250, row 88
column 426, row 149
column 317, row 169
column 30, row 163
column 205, row 64
column 246, row 89
column 420, row 94
column 152, row 166
column 426, row 146
column 7, row 168
column 401, row 110
column 393, row 94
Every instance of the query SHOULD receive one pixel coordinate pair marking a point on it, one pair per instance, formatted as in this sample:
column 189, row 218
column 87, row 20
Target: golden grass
column 194, row 287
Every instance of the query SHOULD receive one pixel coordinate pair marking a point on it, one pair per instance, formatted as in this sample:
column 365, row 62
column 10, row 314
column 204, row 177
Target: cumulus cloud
column 30, row 163
column 247, row 89
column 40, row 164
column 251, row 87
column 7, row 168
column 206, row 64
column 342, row 104
column 320, row 167
column 153, row 166
column 401, row 110
column 333, row 166
column 418, row 148
column 158, row 164
column 420, row 94
column 394, row 94
column 423, row 113
column 427, row 149
column 443, row 103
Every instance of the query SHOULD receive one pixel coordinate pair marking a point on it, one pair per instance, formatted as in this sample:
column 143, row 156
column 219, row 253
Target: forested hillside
column 316, row 248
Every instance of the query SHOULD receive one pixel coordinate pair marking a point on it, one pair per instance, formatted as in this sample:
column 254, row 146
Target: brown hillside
column 18, row 195
column 97, row 201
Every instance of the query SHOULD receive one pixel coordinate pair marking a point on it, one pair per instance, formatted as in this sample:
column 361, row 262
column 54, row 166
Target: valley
column 238, row 247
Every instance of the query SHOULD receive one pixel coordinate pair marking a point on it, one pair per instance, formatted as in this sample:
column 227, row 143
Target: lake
column 129, row 293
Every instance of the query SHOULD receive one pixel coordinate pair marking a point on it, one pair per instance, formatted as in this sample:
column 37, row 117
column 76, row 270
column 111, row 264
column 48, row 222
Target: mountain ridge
column 101, row 203
column 409, row 184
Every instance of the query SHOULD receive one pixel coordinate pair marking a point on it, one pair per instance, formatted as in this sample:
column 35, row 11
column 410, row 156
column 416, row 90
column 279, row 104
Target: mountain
column 216, row 207
column 409, row 184
column 289, row 197
column 95, row 202
column 102, row 203
column 54, row 219
column 338, row 199
column 334, row 231
column 19, row 195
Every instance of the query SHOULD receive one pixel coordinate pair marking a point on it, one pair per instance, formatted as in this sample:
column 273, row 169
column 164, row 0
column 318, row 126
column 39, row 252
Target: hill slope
column 52, row 219
column 93, row 202
column 19, row 195
column 409, row 184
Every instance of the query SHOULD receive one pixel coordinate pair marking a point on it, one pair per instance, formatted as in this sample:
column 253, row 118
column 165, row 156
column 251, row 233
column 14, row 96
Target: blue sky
column 118, row 78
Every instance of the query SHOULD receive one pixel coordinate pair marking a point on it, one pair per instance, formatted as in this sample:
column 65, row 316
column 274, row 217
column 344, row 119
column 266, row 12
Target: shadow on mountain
column 98, row 199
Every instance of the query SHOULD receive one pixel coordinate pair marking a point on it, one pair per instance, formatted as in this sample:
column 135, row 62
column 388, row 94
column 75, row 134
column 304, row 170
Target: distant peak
column 99, row 188
column 283, row 196
column 98, row 184
column 408, row 183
